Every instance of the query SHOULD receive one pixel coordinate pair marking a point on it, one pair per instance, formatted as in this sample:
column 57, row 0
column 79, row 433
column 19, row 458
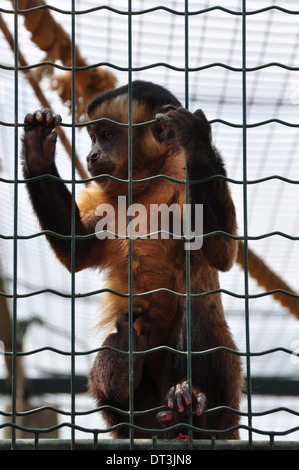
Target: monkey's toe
column 165, row 417
column 179, row 397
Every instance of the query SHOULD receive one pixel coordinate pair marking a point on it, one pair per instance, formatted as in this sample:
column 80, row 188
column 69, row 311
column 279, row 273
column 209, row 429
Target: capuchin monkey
column 170, row 146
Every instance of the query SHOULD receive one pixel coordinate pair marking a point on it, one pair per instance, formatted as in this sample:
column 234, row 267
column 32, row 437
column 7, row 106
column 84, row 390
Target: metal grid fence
column 38, row 441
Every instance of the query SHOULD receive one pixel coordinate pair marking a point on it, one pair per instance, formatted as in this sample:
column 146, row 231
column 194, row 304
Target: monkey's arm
column 192, row 132
column 50, row 197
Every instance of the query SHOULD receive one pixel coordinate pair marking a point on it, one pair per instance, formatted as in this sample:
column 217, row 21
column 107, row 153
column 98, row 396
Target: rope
column 50, row 37
column 268, row 279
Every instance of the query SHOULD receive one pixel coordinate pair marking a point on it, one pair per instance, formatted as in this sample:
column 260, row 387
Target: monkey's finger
column 179, row 403
column 172, row 117
column 164, row 416
column 201, row 403
column 28, row 122
column 45, row 116
column 163, row 118
column 166, row 108
column 52, row 137
column 204, row 125
column 186, row 393
column 49, row 146
column 176, row 399
column 171, row 398
column 168, row 127
column 53, row 120
column 199, row 113
column 38, row 114
column 29, row 118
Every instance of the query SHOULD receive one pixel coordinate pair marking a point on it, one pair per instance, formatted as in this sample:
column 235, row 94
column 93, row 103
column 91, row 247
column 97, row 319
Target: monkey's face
column 109, row 145
column 109, row 153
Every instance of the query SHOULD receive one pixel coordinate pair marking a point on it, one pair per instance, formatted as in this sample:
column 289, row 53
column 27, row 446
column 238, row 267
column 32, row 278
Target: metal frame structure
column 38, row 442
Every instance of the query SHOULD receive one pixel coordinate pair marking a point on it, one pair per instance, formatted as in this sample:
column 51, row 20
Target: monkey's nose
column 92, row 157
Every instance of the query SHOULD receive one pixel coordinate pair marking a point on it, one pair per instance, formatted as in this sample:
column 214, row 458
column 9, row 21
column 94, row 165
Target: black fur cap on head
column 145, row 92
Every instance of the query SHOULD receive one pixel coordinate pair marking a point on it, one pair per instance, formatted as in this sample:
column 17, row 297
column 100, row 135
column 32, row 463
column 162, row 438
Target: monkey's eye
column 107, row 136
column 93, row 138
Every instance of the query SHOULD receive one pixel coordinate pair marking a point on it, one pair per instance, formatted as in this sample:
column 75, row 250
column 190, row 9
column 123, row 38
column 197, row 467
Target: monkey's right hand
column 40, row 141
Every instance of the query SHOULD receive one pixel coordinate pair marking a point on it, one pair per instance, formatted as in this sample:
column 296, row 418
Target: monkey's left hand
column 178, row 398
column 178, row 125
column 40, row 141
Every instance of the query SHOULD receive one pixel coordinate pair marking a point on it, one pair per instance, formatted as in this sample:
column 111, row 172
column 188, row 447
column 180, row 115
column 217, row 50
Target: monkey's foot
column 178, row 399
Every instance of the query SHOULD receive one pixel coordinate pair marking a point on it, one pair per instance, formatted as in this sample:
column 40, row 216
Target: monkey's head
column 109, row 134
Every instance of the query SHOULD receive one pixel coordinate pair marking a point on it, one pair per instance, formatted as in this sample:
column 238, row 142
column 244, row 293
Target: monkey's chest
column 155, row 265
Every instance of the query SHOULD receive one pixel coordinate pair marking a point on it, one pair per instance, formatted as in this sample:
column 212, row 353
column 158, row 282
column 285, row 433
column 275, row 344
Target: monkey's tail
column 268, row 279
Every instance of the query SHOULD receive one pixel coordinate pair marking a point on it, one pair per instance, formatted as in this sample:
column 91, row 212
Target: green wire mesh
column 154, row 443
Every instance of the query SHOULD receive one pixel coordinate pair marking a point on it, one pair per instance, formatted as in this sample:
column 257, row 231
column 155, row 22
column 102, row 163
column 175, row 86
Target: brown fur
column 157, row 264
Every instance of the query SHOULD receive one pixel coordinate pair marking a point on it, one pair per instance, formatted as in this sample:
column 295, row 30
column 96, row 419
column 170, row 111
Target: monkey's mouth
column 100, row 166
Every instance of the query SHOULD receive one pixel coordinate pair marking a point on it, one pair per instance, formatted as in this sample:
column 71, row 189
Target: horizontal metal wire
column 154, row 9
column 122, row 237
column 123, row 412
column 85, row 429
column 152, row 431
column 144, row 412
column 220, row 121
column 150, row 351
column 151, row 178
column 150, row 66
column 143, row 294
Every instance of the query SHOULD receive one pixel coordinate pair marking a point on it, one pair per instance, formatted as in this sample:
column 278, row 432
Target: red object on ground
column 183, row 437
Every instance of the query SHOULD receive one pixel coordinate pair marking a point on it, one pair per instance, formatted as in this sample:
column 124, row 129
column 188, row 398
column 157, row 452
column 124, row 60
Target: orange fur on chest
column 153, row 261
column 157, row 264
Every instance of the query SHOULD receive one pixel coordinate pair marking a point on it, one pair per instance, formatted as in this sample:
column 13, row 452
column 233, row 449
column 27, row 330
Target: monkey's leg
column 216, row 376
column 109, row 377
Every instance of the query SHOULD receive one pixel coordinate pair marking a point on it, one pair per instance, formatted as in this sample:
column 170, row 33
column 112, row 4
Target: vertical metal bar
column 187, row 222
column 130, row 241
column 15, row 230
column 246, row 288
column 186, row 54
column 73, row 232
